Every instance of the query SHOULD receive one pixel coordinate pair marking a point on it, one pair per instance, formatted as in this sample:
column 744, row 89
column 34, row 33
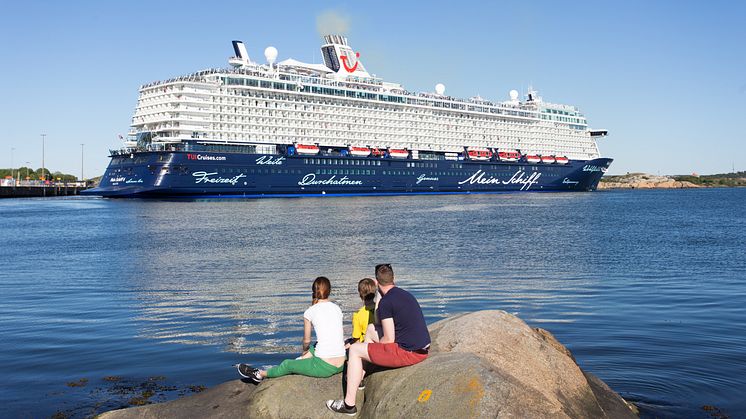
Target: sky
column 667, row 79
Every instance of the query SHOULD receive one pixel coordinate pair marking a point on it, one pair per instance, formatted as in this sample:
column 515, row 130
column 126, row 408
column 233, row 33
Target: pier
column 28, row 191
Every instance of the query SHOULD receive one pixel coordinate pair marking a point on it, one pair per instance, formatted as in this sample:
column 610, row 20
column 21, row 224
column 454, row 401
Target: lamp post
column 43, row 171
column 82, row 179
column 12, row 172
column 27, row 163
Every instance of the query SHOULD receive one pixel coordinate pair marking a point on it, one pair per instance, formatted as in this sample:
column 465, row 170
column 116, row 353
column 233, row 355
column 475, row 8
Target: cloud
column 332, row 22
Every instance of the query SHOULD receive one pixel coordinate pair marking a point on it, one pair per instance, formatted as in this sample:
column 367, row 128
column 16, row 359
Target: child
column 328, row 356
column 366, row 315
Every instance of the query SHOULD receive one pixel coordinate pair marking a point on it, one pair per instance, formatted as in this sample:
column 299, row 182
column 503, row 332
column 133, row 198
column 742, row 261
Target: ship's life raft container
column 398, row 153
column 306, row 149
column 547, row 159
column 508, row 155
column 478, row 153
column 359, row 151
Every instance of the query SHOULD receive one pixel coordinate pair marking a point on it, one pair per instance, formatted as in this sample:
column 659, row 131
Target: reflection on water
column 647, row 296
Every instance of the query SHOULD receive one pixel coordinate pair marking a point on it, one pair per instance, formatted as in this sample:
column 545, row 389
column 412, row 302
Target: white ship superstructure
column 339, row 104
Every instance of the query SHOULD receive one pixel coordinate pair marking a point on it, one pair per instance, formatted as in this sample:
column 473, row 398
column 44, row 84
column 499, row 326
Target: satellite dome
column 440, row 88
column 514, row 95
column 270, row 53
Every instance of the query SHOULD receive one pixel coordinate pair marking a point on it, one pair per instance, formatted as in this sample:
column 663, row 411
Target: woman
column 327, row 357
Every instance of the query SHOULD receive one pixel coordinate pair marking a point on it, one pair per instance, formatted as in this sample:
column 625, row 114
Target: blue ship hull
column 181, row 173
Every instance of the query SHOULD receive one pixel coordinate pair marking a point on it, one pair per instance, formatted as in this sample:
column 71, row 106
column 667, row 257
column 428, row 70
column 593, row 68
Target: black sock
column 347, row 406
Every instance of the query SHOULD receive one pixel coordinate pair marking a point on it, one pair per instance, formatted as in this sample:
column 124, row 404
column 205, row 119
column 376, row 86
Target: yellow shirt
column 360, row 321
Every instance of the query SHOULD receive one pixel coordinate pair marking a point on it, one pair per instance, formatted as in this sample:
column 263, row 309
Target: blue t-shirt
column 410, row 330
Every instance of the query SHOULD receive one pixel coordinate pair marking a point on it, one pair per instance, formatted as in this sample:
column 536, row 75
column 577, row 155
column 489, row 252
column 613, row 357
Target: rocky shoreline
column 483, row 364
column 644, row 181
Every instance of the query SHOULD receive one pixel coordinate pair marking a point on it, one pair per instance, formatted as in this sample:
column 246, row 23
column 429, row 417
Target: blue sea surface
column 646, row 288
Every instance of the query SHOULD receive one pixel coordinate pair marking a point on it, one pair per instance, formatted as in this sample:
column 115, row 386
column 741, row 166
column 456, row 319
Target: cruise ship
column 291, row 128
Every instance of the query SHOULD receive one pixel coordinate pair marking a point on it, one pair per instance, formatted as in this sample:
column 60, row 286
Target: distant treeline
column 24, row 173
column 723, row 179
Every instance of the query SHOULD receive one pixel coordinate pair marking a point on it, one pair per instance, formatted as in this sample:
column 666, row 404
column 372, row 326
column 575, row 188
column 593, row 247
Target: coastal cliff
column 482, row 364
column 643, row 181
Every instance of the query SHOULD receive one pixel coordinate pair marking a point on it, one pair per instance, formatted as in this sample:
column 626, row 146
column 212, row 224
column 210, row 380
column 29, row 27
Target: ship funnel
column 340, row 57
column 242, row 57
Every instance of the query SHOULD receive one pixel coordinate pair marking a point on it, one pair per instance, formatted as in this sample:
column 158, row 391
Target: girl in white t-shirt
column 328, row 356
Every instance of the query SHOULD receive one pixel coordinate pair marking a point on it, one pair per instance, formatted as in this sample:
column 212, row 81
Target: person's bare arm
column 306, row 335
column 389, row 335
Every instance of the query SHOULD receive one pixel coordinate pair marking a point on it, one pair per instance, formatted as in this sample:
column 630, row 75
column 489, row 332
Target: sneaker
column 339, row 407
column 251, row 374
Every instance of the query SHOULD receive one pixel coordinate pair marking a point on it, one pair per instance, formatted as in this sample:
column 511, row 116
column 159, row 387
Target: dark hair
column 384, row 274
column 367, row 289
column 321, row 288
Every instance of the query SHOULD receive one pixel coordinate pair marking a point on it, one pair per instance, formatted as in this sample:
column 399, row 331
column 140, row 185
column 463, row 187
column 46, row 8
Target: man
column 402, row 338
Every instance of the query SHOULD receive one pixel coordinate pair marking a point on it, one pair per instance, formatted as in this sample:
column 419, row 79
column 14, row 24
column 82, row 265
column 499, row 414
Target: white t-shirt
column 326, row 318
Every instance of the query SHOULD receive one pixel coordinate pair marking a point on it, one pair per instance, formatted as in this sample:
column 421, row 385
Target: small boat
column 398, row 153
column 478, row 153
column 561, row 160
column 359, row 151
column 508, row 155
column 547, row 159
column 306, row 149
column 533, row 158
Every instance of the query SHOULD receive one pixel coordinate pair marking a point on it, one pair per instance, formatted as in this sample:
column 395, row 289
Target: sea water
column 104, row 300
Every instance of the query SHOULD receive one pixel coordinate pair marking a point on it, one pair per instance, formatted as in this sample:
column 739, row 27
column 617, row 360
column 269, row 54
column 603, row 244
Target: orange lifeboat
column 478, row 153
column 547, row 159
column 533, row 158
column 306, row 149
column 508, row 155
column 359, row 151
column 398, row 153
column 561, row 160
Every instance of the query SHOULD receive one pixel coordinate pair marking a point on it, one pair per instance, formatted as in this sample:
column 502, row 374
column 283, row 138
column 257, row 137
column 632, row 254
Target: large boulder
column 519, row 351
column 451, row 385
column 295, row 396
column 483, row 364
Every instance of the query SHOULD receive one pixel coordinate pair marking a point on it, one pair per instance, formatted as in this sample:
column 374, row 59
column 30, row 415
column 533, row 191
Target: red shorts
column 392, row 356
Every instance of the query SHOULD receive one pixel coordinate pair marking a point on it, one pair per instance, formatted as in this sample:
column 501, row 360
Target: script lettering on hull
column 270, row 160
column 591, row 168
column 310, row 180
column 518, row 178
column 205, row 177
column 424, row 178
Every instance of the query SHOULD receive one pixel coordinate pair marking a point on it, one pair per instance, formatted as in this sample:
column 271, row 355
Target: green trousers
column 310, row 367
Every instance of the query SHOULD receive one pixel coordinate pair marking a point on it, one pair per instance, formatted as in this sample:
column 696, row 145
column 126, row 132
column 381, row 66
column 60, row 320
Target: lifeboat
column 508, row 155
column 533, row 158
column 306, row 149
column 479, row 153
column 359, row 151
column 547, row 159
column 398, row 153
column 561, row 160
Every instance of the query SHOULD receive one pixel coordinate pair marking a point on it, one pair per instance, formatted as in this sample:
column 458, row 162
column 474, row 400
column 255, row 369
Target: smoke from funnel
column 332, row 22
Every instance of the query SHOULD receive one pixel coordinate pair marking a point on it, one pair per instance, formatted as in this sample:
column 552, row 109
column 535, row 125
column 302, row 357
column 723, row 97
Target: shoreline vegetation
column 648, row 181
